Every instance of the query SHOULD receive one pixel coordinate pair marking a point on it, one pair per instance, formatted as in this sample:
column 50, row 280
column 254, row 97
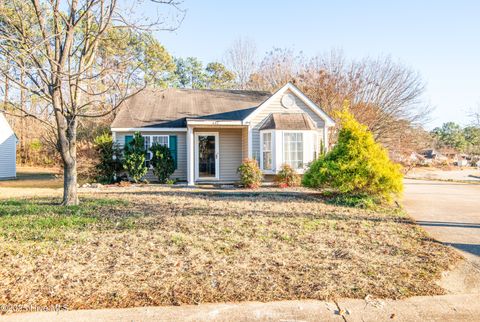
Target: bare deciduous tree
column 384, row 95
column 278, row 67
column 54, row 44
column 474, row 115
column 241, row 58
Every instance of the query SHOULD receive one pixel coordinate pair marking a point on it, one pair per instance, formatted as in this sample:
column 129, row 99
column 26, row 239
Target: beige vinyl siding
column 181, row 171
column 230, row 151
column 277, row 107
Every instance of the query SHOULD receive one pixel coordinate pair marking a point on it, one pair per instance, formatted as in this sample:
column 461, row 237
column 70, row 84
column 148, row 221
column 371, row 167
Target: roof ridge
column 153, row 89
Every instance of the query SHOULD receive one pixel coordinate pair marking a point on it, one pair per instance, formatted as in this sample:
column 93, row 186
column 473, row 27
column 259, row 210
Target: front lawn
column 163, row 246
column 33, row 177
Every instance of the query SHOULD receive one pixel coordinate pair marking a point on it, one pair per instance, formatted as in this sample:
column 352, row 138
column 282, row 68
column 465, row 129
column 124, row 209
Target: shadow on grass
column 111, row 208
column 233, row 195
column 34, row 180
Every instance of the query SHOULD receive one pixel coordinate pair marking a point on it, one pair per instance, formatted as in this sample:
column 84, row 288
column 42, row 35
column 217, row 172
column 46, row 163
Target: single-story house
column 433, row 155
column 8, row 150
column 210, row 132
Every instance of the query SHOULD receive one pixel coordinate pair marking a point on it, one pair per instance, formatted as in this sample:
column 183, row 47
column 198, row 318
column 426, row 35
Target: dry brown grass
column 177, row 246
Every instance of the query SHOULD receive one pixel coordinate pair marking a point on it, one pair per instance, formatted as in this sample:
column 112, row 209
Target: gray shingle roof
column 170, row 107
column 288, row 121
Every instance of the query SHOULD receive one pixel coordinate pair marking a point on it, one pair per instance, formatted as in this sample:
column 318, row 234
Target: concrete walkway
column 439, row 308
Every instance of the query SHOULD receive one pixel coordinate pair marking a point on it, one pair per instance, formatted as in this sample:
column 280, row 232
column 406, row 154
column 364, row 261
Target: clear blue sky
column 440, row 39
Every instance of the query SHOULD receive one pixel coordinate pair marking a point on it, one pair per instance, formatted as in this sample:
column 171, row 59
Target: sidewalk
column 438, row 308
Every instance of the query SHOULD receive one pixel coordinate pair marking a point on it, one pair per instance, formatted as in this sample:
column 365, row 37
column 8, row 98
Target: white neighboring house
column 8, row 150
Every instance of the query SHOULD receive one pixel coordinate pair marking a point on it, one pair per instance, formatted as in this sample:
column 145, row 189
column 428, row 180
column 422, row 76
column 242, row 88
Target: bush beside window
column 109, row 163
column 357, row 165
column 287, row 177
column 134, row 158
column 162, row 162
column 250, row 174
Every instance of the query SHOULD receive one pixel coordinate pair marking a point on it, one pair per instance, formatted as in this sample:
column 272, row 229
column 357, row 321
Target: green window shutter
column 128, row 139
column 172, row 144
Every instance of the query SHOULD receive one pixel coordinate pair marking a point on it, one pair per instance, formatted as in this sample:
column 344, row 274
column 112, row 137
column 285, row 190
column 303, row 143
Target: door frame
column 217, row 156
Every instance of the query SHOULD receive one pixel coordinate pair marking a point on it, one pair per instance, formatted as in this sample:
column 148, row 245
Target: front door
column 206, row 156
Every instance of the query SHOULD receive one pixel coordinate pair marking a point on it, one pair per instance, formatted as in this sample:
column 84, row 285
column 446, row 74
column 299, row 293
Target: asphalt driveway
column 449, row 211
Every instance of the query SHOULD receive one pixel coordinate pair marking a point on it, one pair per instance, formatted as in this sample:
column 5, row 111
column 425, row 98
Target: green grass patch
column 45, row 220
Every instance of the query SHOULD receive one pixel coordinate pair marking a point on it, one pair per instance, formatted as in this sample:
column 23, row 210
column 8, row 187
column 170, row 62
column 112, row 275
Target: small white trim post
column 190, row 157
column 325, row 138
column 250, row 142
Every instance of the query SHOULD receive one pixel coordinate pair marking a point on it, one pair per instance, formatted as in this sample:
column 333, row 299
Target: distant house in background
column 432, row 156
column 447, row 156
column 8, row 150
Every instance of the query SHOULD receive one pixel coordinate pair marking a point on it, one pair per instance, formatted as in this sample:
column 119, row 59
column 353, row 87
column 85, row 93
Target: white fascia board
column 149, row 129
column 328, row 120
column 213, row 122
column 289, row 86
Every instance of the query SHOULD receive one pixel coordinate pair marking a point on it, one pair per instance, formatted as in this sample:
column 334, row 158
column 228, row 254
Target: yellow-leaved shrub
column 357, row 165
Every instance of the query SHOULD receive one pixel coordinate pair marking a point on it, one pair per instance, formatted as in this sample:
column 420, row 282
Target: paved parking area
column 449, row 211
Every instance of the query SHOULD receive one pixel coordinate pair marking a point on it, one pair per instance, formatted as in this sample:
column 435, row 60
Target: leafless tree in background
column 385, row 95
column 475, row 116
column 278, row 67
column 241, row 58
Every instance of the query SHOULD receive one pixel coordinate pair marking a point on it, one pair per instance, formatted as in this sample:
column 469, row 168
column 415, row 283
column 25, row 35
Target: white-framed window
column 267, row 156
column 149, row 140
column 317, row 146
column 293, row 149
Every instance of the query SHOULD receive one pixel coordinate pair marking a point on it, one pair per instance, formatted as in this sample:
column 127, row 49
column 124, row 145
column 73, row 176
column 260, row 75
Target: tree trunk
column 70, row 183
column 23, row 108
column 68, row 148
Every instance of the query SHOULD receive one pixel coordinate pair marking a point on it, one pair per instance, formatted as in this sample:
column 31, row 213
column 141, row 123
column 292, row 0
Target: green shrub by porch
column 357, row 165
column 109, row 163
column 162, row 162
column 134, row 158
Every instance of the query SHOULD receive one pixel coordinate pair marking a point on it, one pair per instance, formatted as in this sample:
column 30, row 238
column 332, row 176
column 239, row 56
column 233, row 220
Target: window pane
column 160, row 139
column 267, row 151
column 146, row 141
column 293, row 150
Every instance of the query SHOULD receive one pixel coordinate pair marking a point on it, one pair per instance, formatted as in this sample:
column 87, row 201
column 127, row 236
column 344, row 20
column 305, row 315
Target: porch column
column 190, row 157
column 249, row 140
column 325, row 138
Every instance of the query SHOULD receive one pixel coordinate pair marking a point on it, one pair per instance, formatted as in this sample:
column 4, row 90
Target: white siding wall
column 277, row 107
column 8, row 158
column 8, row 147
column 181, row 171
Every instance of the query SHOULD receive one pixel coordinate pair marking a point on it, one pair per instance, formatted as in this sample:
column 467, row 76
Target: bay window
column 293, row 149
column 279, row 147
